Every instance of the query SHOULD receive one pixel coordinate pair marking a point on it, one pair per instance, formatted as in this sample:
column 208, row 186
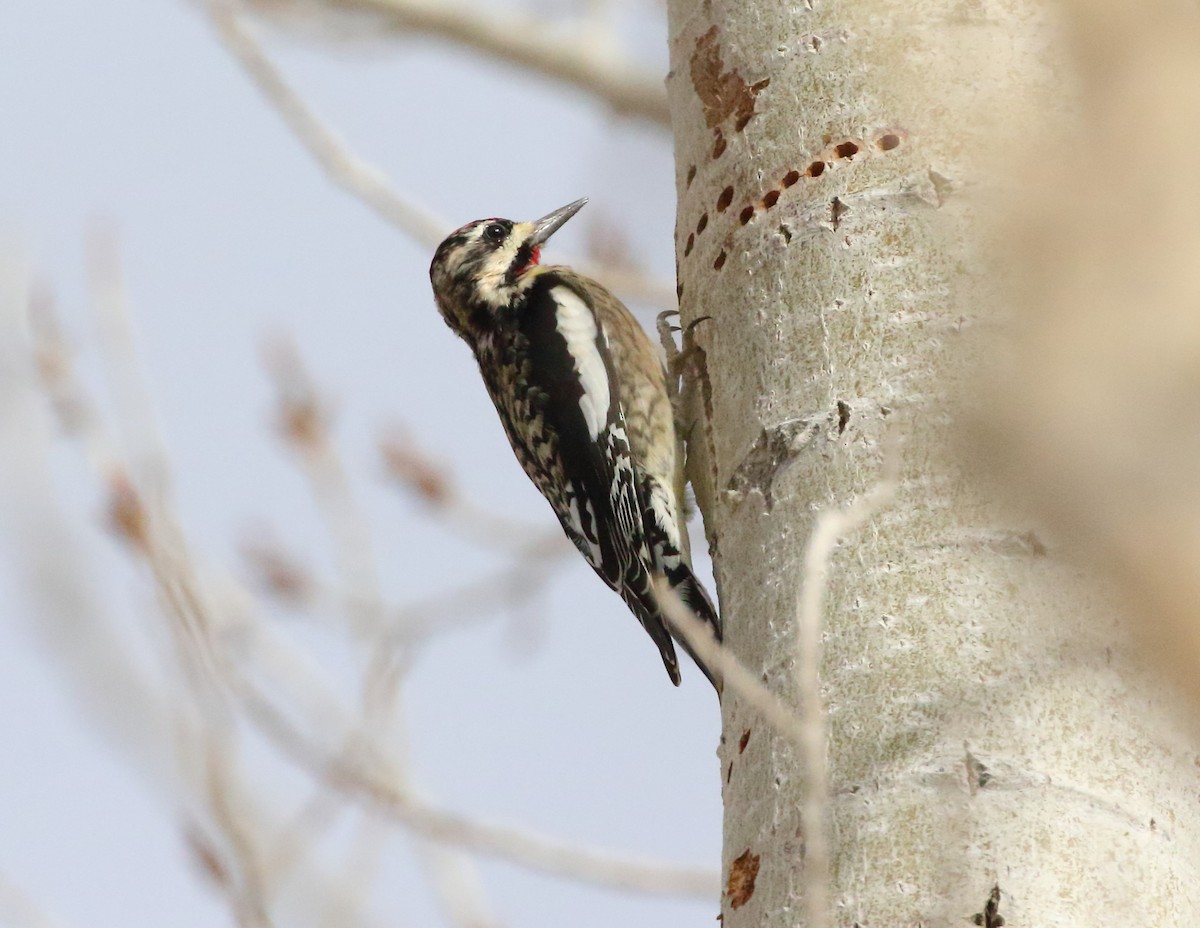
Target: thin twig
column 250, row 897
column 734, row 674
column 365, row 773
column 123, row 699
column 340, row 164
column 305, row 426
column 832, row 525
column 806, row 730
column 153, row 531
column 583, row 58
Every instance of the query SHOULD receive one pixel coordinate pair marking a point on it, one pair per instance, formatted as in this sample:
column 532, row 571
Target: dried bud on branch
column 412, row 468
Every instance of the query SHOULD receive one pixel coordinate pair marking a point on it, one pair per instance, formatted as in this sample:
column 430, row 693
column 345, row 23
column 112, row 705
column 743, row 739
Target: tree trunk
column 986, row 725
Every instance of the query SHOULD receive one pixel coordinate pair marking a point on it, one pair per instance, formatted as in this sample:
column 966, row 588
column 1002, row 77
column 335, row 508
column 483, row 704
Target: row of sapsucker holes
column 842, row 151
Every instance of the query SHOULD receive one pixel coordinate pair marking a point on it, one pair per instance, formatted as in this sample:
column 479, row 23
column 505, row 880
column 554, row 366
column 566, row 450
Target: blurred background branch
column 581, row 54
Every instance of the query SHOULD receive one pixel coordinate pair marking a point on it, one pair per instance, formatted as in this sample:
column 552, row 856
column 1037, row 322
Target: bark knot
column 774, row 448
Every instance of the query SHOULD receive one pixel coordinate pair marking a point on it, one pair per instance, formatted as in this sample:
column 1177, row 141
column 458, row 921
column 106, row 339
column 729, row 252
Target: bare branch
column 366, row 182
column 305, row 426
column 125, row 702
column 583, row 59
column 348, row 773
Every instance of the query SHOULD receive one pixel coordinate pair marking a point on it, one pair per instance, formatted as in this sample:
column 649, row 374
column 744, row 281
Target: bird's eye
column 495, row 233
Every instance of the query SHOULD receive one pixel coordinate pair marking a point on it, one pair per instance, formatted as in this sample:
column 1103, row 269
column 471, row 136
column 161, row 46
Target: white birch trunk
column 986, row 726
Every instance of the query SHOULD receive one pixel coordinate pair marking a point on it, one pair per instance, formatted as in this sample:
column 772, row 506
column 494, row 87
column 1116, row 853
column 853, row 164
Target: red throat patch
column 534, row 257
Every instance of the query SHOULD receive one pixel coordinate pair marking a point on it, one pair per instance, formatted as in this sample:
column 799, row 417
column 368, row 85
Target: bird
column 582, row 397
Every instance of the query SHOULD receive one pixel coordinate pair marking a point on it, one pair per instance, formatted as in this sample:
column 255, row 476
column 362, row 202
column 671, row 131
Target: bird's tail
column 695, row 597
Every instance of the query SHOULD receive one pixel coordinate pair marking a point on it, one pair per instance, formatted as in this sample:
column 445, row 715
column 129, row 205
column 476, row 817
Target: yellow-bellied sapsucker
column 583, row 399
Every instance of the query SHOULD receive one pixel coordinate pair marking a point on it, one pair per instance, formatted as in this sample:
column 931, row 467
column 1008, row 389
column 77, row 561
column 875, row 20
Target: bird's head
column 480, row 267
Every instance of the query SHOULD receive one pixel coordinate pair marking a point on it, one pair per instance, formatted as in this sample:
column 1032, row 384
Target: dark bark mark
column 843, row 415
column 837, row 209
column 990, row 916
column 722, row 93
column 718, row 144
column 1033, row 544
column 742, row 874
column 1010, row 543
column 978, row 775
column 942, row 186
column 743, row 741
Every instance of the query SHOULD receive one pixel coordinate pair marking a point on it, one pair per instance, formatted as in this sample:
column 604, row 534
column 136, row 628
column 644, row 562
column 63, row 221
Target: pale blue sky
column 130, row 112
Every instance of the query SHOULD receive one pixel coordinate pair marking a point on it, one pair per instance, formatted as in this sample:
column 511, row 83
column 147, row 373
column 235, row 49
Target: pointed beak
column 552, row 222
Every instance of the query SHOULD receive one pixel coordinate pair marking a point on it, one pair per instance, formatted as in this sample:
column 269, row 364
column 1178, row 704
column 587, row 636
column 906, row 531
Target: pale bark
column 986, row 724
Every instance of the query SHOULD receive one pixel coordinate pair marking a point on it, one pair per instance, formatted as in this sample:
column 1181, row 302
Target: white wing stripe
column 577, row 326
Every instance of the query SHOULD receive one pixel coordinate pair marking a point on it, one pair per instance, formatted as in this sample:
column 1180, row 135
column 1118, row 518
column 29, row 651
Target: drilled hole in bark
column 718, row 146
column 691, row 242
column 679, row 291
column 816, row 169
column 702, row 224
column 746, row 215
column 790, row 178
column 720, row 262
column 786, row 233
column 724, row 199
column 770, row 199
column 691, row 175
column 846, row 150
column 887, row 142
